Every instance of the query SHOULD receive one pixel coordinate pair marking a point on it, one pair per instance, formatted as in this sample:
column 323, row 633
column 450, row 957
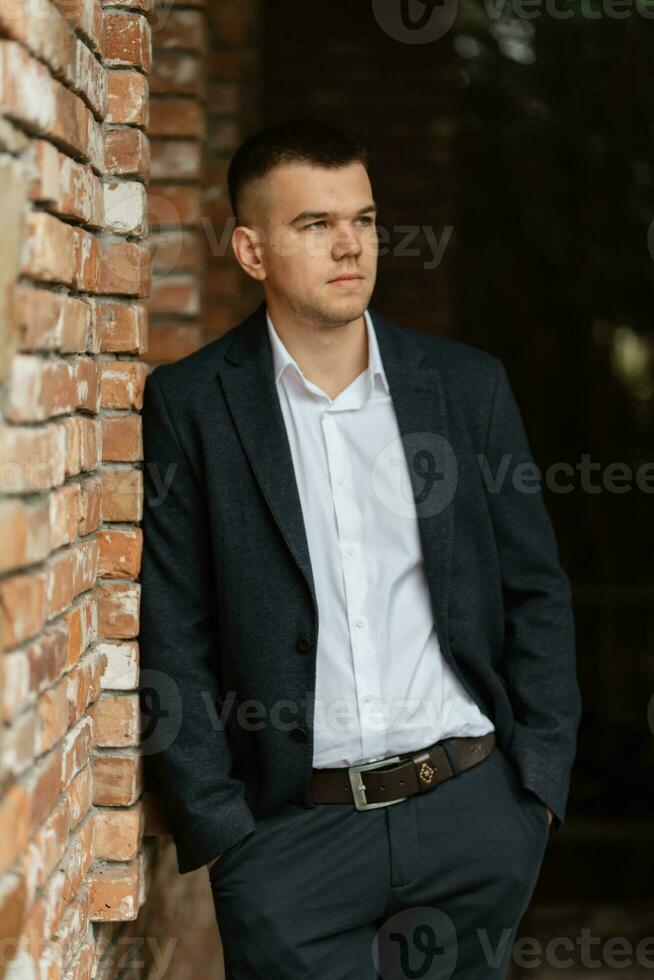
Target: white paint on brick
column 15, row 689
column 124, row 207
column 26, row 388
column 121, row 672
column 35, row 88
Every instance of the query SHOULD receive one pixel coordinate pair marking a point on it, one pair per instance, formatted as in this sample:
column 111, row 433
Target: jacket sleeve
column 185, row 748
column 539, row 652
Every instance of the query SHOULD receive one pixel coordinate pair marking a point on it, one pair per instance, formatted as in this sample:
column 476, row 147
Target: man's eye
column 314, row 224
column 366, row 221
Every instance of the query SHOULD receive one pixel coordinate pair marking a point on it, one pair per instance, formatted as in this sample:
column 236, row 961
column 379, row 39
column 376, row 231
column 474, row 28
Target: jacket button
column 303, row 644
column 299, row 734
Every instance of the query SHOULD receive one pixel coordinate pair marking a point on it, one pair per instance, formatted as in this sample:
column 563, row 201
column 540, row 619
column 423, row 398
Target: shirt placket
column 349, row 521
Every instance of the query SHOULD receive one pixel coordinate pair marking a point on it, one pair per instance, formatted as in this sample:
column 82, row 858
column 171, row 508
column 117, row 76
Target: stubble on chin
column 324, row 316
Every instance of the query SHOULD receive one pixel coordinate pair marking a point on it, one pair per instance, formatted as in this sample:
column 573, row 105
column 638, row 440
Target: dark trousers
column 432, row 887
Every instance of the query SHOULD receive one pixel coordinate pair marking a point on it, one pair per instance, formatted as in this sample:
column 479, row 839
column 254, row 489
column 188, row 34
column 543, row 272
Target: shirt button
column 368, row 697
column 359, row 622
column 340, row 481
column 351, row 550
column 303, row 644
column 299, row 734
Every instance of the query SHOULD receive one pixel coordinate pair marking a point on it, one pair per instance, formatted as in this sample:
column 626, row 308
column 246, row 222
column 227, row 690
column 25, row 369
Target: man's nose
column 347, row 243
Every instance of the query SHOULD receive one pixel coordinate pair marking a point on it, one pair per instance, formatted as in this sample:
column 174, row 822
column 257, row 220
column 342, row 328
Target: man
column 357, row 641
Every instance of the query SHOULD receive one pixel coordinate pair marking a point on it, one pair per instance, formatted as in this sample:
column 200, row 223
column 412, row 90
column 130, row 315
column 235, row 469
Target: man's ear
column 247, row 247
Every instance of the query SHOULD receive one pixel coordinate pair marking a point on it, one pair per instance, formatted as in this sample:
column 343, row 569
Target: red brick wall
column 103, row 190
column 74, row 272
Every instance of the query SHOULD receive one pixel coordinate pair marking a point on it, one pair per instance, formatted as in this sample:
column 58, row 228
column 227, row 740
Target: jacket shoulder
column 456, row 353
column 455, row 359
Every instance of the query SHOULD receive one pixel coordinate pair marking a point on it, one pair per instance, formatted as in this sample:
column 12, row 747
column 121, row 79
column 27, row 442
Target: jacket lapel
column 249, row 385
column 416, row 387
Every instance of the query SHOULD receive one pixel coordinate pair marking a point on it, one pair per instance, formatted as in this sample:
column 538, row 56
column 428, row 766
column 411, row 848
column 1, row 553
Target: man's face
column 318, row 225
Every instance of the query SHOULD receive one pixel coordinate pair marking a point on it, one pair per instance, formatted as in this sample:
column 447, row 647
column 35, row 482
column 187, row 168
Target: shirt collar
column 282, row 359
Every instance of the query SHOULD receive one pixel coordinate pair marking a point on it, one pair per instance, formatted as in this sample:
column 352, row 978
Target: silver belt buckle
column 359, row 789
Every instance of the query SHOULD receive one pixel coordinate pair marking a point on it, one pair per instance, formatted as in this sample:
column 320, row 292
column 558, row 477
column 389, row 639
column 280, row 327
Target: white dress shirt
column 382, row 684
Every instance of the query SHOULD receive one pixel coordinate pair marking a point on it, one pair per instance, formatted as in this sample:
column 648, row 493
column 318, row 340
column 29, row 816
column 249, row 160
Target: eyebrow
column 329, row 214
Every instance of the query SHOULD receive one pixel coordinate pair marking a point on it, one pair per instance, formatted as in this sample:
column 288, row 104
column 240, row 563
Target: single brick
column 122, row 495
column 121, row 326
column 176, row 159
column 39, row 389
column 90, row 506
column 185, row 30
column 45, row 320
column 84, row 685
column 234, row 22
column 118, row 609
column 121, row 438
column 87, row 255
column 87, row 379
column 114, row 889
column 177, row 117
column 178, row 295
column 127, row 40
column 24, row 532
column 177, row 251
column 117, row 833
column 124, row 269
column 120, row 552
column 33, row 458
column 125, row 203
column 128, row 98
column 117, row 778
column 169, row 341
column 64, row 514
column 49, row 249
column 14, row 829
column 127, row 153
column 175, row 205
column 24, row 603
column 121, row 672
column 122, row 383
column 178, row 73
column 83, row 437
column 116, row 720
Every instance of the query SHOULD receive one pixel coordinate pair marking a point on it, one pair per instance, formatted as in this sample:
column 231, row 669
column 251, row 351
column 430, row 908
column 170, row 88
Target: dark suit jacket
column 229, row 620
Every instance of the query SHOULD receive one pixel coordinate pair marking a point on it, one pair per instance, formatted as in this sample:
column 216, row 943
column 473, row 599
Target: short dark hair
column 293, row 141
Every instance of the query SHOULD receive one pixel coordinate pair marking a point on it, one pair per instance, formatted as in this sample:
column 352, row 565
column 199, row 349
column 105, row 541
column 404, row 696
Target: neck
column 331, row 357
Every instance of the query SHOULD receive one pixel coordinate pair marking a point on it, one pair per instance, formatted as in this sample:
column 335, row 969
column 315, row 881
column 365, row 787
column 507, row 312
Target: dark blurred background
column 524, row 147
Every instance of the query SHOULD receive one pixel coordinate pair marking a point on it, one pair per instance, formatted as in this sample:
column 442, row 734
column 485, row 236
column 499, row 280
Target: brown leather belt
column 385, row 781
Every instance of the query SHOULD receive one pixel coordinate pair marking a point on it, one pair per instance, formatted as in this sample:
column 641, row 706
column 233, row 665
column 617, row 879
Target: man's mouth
column 346, row 279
